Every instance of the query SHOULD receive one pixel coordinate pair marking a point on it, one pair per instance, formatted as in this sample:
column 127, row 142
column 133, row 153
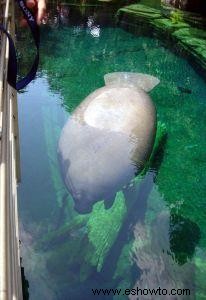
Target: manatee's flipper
column 109, row 201
column 139, row 80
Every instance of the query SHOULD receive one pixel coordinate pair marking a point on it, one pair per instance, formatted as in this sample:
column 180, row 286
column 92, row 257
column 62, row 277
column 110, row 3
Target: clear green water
column 159, row 238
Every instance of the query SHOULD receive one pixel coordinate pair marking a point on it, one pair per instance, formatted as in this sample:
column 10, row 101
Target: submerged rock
column 108, row 139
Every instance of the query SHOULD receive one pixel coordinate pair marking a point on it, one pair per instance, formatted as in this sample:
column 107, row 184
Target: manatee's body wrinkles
column 108, row 139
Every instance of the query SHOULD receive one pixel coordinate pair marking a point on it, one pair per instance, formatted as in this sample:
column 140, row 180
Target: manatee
column 108, row 139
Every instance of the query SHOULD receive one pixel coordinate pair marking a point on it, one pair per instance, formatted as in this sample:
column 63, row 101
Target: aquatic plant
column 176, row 16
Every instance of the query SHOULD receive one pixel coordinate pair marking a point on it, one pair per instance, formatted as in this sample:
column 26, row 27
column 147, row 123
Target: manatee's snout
column 81, row 208
column 82, row 204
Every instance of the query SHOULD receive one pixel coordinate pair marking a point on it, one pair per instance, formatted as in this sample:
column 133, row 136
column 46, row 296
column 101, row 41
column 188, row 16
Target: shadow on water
column 136, row 201
column 25, row 285
column 184, row 237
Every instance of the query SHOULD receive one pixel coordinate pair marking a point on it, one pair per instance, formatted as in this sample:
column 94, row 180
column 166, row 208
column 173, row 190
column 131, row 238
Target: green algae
column 191, row 39
column 103, row 227
column 139, row 8
column 168, row 25
column 59, row 236
column 124, row 270
column 194, row 40
column 141, row 11
column 158, row 148
column 124, row 263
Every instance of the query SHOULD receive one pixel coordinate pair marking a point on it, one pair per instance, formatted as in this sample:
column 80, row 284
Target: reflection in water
column 65, row 14
column 135, row 241
column 156, row 264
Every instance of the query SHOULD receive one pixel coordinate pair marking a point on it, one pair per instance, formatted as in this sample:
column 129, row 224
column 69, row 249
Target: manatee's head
column 83, row 196
column 83, row 200
column 86, row 191
column 82, row 204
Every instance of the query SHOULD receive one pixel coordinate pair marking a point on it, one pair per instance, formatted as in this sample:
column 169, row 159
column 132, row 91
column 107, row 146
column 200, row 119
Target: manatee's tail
column 143, row 81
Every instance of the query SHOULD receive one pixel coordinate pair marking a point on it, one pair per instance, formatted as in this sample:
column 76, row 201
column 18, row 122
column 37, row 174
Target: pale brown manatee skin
column 108, row 139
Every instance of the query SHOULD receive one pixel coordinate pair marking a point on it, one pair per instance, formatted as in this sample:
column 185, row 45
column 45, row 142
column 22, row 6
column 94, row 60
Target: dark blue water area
column 39, row 111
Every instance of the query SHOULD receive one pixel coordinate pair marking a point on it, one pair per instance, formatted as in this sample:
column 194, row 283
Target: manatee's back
column 106, row 141
column 127, row 110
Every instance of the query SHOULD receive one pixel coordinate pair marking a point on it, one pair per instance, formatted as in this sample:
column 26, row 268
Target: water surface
column 152, row 236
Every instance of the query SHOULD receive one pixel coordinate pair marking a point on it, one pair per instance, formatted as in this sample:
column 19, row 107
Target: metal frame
column 10, row 269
